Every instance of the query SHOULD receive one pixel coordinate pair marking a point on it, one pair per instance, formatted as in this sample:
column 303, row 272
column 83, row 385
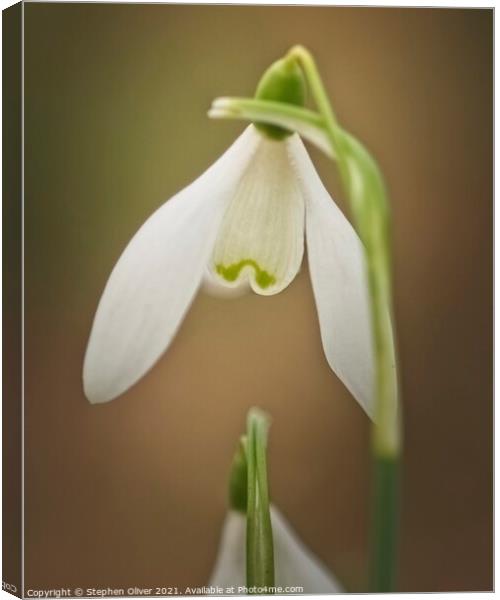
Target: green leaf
column 260, row 552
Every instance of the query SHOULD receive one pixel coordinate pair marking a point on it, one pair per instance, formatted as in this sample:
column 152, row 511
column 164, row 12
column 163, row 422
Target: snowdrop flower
column 242, row 223
column 295, row 565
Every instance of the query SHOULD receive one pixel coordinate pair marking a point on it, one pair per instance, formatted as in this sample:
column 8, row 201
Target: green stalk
column 291, row 117
column 385, row 524
column 365, row 189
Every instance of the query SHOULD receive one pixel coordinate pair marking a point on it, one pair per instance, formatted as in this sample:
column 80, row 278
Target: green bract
column 282, row 82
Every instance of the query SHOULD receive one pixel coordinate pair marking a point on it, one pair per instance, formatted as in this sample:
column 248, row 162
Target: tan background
column 133, row 492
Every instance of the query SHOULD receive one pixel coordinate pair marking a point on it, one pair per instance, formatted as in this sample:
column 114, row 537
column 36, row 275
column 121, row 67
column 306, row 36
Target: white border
column 367, row 3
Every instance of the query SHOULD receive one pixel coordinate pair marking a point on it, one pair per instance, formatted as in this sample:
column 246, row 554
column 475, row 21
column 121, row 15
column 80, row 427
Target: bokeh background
column 133, row 493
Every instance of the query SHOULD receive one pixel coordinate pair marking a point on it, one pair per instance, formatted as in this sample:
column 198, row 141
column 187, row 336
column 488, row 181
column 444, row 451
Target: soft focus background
column 133, row 493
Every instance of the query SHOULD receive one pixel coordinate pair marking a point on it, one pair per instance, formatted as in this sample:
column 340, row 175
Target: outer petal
column 295, row 565
column 261, row 239
column 157, row 276
column 230, row 564
column 337, row 268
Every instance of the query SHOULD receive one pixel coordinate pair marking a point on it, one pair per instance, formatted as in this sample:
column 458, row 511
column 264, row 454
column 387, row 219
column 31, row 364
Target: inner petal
column 261, row 239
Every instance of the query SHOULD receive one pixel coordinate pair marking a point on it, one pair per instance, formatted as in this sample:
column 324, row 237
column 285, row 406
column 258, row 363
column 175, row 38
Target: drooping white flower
column 243, row 222
column 295, row 566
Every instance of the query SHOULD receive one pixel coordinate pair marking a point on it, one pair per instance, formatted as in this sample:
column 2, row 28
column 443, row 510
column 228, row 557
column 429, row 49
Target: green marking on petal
column 231, row 273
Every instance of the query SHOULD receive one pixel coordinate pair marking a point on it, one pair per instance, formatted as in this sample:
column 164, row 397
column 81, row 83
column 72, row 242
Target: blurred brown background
column 133, row 492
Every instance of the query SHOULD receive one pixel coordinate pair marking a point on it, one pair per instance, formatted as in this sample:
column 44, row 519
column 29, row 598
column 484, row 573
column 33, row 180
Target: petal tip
column 97, row 385
column 93, row 392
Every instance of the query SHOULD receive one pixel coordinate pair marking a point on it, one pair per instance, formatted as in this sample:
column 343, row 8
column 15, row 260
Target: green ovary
column 231, row 273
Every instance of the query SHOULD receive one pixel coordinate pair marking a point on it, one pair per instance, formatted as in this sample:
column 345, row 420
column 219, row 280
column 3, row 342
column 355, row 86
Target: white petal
column 336, row 264
column 295, row 565
column 157, row 276
column 230, row 564
column 261, row 238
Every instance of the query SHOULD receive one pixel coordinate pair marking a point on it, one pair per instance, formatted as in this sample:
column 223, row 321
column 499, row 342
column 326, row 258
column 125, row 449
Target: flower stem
column 365, row 189
column 385, row 522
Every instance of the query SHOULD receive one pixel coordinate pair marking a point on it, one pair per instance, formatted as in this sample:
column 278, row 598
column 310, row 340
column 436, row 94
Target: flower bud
column 238, row 480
